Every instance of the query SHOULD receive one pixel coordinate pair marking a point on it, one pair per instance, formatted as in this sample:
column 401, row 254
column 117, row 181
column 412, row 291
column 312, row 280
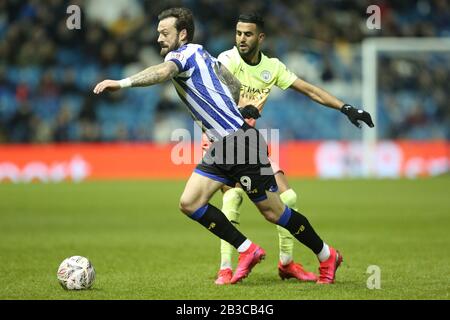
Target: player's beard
column 175, row 45
column 250, row 52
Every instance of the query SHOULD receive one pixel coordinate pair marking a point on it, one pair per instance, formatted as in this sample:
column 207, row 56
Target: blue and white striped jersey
column 209, row 101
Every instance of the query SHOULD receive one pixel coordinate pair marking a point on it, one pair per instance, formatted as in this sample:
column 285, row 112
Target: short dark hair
column 253, row 17
column 185, row 20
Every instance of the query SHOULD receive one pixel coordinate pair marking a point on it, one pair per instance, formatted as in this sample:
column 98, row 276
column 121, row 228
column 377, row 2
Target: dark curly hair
column 185, row 20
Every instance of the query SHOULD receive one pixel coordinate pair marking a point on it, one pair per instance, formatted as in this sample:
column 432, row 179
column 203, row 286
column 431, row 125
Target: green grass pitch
column 142, row 247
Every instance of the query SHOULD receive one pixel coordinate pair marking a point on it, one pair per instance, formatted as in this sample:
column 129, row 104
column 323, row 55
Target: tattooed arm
column 152, row 75
column 231, row 81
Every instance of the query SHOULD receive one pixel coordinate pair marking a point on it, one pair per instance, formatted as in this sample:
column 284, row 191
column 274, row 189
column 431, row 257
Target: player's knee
column 289, row 198
column 183, row 206
column 187, row 207
column 270, row 216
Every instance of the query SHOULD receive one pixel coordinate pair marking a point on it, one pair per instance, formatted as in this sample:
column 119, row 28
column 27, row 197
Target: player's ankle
column 285, row 259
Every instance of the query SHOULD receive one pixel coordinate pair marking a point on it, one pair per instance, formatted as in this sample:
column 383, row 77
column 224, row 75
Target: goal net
column 406, row 89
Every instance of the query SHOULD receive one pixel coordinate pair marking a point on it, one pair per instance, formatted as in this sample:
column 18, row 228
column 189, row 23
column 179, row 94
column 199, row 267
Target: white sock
column 244, row 246
column 324, row 254
column 285, row 259
column 225, row 265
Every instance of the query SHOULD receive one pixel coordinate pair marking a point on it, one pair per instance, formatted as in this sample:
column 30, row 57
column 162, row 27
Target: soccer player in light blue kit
column 211, row 94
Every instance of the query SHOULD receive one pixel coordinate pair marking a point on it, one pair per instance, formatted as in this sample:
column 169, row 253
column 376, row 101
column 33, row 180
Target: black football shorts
column 240, row 157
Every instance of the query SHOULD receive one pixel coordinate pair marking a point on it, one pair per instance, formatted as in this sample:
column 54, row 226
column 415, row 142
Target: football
column 76, row 273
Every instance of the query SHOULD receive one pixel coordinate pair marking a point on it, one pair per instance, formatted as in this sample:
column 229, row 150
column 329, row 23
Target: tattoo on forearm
column 235, row 89
column 233, row 84
column 154, row 74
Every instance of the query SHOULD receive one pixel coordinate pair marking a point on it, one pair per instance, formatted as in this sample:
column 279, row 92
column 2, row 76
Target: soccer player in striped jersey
column 258, row 74
column 211, row 94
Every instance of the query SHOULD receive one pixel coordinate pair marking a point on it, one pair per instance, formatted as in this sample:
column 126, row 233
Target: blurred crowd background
column 47, row 72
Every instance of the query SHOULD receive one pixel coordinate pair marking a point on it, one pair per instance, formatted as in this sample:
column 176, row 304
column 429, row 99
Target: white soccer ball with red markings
column 76, row 273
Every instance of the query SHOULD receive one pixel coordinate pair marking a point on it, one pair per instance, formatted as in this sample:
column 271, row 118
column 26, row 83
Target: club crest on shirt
column 266, row 76
column 177, row 55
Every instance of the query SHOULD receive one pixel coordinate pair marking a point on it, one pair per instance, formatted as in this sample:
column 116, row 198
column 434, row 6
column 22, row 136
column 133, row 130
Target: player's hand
column 357, row 115
column 110, row 85
column 249, row 112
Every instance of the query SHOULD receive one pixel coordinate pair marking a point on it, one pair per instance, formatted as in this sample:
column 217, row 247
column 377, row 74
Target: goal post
column 371, row 49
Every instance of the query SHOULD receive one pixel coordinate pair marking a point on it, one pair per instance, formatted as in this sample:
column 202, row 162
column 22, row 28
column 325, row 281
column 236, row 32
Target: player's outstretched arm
column 152, row 75
column 317, row 94
column 321, row 96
